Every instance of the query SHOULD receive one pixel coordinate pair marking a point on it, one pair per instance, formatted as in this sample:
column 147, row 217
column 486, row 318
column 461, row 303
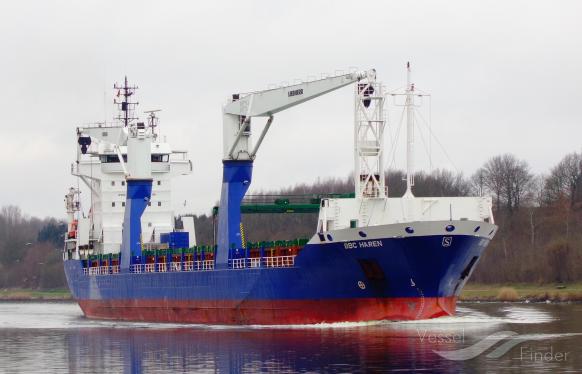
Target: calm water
column 55, row 338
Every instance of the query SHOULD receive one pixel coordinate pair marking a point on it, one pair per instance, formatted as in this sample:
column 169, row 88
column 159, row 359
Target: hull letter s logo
column 447, row 241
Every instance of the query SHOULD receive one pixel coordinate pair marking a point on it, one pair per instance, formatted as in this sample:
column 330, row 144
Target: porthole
column 450, row 228
column 362, row 234
column 409, row 230
column 329, row 237
column 477, row 228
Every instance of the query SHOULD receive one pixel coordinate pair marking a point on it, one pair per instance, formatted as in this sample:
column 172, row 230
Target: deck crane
column 239, row 153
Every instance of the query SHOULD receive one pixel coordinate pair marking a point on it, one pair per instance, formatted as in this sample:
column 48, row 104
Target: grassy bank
column 471, row 292
column 25, row 294
column 522, row 292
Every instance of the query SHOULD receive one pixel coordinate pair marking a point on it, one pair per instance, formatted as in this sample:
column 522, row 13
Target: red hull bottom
column 270, row 312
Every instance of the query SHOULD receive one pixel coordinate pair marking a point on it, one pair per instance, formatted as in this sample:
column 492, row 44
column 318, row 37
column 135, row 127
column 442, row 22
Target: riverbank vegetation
column 554, row 292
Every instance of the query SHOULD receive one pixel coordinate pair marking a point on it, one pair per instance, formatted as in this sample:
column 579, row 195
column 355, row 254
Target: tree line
column 539, row 218
column 30, row 251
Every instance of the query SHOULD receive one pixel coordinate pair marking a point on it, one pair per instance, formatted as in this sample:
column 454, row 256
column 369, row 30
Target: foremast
column 409, row 107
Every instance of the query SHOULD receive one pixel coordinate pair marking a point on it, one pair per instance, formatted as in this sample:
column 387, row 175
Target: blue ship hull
column 393, row 278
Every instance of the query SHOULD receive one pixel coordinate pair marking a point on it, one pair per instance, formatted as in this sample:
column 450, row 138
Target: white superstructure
column 102, row 166
column 102, row 172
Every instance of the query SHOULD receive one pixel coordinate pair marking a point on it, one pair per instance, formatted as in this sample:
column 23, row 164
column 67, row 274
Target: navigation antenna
column 126, row 107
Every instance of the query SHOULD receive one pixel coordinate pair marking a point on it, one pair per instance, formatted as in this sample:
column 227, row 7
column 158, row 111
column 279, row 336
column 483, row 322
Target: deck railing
column 186, row 266
column 279, row 261
column 137, row 268
column 161, row 267
column 268, row 262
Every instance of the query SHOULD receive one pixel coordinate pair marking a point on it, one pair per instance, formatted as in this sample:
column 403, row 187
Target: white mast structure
column 369, row 123
column 409, row 106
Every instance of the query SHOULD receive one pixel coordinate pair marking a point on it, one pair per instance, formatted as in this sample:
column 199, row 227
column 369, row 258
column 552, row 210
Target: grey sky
column 504, row 76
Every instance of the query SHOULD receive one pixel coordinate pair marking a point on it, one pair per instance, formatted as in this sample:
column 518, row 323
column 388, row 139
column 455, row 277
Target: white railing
column 136, row 268
column 255, row 262
column 198, row 265
column 150, row 268
column 207, row 264
column 238, row 263
column 279, row 261
column 161, row 267
column 99, row 270
column 241, row 263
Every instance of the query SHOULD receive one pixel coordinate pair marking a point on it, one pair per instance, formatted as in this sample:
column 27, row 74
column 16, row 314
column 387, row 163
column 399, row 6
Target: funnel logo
column 512, row 340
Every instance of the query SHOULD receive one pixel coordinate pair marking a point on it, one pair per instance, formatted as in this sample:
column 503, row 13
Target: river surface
column 484, row 337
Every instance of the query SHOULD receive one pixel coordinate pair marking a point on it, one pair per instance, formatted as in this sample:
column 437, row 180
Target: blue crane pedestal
column 236, row 179
column 139, row 192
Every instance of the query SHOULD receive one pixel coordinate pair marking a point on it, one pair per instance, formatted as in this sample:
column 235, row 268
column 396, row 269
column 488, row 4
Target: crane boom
column 239, row 154
column 241, row 108
column 268, row 102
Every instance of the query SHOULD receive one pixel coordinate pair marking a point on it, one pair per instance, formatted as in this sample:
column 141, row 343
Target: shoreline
column 23, row 294
column 478, row 292
column 522, row 292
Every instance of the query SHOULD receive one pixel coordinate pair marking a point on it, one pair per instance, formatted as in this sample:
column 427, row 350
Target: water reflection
column 55, row 338
column 368, row 349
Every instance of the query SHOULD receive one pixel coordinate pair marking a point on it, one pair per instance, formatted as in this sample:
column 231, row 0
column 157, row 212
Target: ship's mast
column 409, row 107
column 126, row 107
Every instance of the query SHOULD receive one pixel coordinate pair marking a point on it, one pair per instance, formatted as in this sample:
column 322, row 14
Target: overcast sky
column 505, row 76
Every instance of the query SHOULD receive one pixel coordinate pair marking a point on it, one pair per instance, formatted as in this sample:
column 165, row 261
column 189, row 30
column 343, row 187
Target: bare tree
column 478, row 182
column 508, row 179
column 565, row 179
column 519, row 181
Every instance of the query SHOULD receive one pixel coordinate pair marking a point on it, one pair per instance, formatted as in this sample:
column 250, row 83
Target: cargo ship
column 371, row 257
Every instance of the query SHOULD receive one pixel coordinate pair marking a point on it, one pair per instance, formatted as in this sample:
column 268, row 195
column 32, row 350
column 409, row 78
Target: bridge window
column 108, row 159
column 160, row 158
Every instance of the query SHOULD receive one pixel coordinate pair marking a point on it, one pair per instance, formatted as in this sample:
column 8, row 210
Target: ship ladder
column 242, row 236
